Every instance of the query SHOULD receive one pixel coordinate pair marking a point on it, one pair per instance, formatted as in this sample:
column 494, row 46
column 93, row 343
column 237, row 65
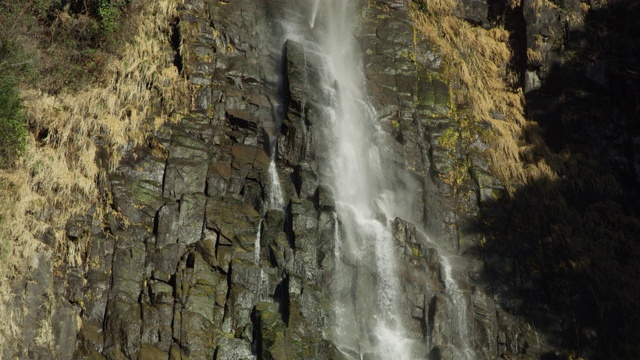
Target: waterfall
column 366, row 297
column 276, row 200
column 369, row 312
column 263, row 282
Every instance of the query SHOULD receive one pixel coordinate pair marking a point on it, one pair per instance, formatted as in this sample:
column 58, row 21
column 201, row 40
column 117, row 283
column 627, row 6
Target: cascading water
column 368, row 317
column 458, row 313
column 276, row 200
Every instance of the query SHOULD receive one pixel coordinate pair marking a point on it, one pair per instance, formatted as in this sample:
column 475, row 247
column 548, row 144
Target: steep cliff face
column 226, row 272
column 221, row 238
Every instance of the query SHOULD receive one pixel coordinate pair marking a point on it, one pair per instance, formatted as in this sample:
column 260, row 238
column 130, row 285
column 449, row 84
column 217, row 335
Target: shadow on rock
column 563, row 251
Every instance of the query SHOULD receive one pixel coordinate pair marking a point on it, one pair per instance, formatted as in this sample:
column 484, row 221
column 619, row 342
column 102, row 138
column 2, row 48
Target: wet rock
column 486, row 323
column 443, row 353
column 325, row 199
column 249, row 157
column 306, row 180
column 296, row 80
column 243, row 119
column 231, row 217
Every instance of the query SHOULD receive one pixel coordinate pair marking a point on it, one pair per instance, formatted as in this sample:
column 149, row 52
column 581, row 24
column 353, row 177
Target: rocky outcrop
column 194, row 259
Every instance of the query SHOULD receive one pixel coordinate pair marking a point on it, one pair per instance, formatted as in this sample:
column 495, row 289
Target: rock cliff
column 197, row 259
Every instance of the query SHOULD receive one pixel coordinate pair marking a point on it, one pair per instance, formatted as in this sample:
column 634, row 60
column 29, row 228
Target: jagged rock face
column 197, row 262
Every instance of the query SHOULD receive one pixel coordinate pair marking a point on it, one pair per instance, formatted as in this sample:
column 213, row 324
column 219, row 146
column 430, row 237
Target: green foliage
column 109, row 14
column 13, row 132
column 59, row 45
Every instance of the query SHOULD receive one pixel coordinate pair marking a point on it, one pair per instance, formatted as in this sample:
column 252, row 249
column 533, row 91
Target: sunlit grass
column 57, row 177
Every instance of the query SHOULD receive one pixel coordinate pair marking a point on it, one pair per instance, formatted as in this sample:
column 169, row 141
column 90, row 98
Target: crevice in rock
column 191, row 261
column 256, row 343
column 176, row 40
column 431, row 313
column 281, row 295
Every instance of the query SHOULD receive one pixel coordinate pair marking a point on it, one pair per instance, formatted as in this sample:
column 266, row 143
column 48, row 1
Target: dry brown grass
column 57, row 176
column 475, row 62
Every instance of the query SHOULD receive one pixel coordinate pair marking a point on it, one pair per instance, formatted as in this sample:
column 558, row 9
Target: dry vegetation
column 58, row 174
column 475, row 62
column 571, row 219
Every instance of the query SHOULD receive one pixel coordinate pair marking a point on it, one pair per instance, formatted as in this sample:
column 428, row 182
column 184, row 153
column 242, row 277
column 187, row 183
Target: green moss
column 416, row 250
column 449, row 139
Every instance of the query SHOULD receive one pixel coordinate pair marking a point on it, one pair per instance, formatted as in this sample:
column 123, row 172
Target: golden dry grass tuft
column 475, row 63
column 57, row 177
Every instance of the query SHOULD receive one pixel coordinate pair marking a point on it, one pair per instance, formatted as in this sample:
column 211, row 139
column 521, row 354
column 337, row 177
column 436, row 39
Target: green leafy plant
column 13, row 132
column 109, row 14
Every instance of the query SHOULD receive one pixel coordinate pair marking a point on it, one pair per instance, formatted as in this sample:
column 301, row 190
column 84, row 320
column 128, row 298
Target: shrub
column 13, row 130
column 109, row 15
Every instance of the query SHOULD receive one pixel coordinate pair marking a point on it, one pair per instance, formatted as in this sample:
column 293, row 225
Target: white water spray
column 276, row 200
column 365, row 289
column 314, row 13
column 368, row 309
column 264, row 279
column 459, row 313
column 257, row 243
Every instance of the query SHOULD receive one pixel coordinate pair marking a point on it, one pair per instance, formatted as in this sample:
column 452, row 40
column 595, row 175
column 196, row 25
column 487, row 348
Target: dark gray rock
column 184, row 177
column 65, row 329
column 96, row 296
column 475, row 11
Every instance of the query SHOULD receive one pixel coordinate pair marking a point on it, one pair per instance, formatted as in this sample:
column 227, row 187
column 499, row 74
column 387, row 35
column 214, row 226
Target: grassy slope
column 57, row 176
